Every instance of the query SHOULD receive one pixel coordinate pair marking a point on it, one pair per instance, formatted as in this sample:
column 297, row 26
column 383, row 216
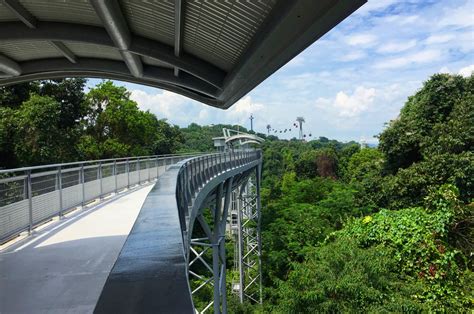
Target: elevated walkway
column 118, row 236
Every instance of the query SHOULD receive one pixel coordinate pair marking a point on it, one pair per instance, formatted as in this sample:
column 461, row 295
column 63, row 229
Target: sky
column 351, row 81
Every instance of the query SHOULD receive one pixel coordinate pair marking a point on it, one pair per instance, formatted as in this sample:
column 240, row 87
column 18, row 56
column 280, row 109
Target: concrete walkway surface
column 63, row 267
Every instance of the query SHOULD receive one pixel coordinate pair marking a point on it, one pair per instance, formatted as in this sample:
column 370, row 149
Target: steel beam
column 150, row 73
column 114, row 22
column 20, row 12
column 178, row 29
column 9, row 67
column 97, row 35
column 67, row 53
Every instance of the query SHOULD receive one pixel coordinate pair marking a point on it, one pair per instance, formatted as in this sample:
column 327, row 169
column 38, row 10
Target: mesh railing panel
column 29, row 196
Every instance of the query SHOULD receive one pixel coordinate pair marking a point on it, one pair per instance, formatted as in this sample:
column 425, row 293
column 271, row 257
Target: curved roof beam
column 9, row 67
column 250, row 142
column 249, row 137
column 113, row 76
column 116, row 25
column 58, row 31
column 43, row 67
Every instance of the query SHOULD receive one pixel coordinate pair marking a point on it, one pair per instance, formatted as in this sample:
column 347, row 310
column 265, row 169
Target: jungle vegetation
column 345, row 228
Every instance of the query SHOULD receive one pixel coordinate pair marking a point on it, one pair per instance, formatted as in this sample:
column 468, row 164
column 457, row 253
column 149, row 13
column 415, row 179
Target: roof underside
column 211, row 51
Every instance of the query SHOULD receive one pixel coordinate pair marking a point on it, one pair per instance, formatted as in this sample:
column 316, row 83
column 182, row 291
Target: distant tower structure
column 300, row 121
column 251, row 122
column 269, row 127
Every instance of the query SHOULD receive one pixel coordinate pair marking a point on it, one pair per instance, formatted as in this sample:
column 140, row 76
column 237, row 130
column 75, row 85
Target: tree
column 39, row 138
column 422, row 118
column 116, row 127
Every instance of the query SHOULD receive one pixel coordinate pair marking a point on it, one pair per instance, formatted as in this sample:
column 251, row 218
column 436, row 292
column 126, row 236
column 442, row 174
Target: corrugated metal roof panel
column 219, row 31
column 72, row 11
column 6, row 14
column 28, row 50
column 151, row 19
column 93, row 51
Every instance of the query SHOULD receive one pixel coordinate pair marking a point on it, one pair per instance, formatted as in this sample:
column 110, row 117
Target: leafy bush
column 342, row 277
column 418, row 239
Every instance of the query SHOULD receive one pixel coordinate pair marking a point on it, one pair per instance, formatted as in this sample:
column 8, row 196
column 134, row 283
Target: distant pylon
column 269, row 127
column 300, row 121
column 251, row 122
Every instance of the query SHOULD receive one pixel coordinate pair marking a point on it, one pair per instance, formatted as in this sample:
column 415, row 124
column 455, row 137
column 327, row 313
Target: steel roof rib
column 211, row 51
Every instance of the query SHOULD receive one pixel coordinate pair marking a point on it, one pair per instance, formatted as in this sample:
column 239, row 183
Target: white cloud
column 393, row 47
column 444, row 69
column 425, row 56
column 164, row 104
column 439, row 39
column 461, row 16
column 467, row 71
column 361, row 39
column 400, row 19
column 352, row 56
column 349, row 105
column 375, row 5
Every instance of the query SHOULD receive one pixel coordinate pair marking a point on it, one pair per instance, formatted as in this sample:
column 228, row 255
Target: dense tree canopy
column 391, row 228
column 56, row 121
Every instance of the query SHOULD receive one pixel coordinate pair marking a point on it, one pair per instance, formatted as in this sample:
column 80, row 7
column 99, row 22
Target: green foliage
column 342, row 277
column 39, row 138
column 437, row 119
column 55, row 121
column 418, row 239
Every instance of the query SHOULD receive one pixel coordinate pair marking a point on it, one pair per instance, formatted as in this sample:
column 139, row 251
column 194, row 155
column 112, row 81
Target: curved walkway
column 63, row 267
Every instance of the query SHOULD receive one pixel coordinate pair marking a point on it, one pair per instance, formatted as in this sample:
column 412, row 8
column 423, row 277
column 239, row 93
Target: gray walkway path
column 62, row 268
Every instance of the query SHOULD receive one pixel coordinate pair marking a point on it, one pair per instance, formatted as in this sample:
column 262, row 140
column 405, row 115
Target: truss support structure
column 248, row 241
column 207, row 260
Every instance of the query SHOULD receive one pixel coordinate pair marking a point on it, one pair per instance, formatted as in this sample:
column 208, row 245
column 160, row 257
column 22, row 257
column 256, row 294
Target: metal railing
column 207, row 182
column 32, row 195
column 196, row 172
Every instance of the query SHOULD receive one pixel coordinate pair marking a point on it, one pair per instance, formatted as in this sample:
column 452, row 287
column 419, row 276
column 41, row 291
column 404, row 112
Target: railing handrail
column 164, row 156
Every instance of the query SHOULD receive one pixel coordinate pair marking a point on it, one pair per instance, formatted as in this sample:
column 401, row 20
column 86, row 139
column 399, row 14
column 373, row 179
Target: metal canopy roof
column 211, row 51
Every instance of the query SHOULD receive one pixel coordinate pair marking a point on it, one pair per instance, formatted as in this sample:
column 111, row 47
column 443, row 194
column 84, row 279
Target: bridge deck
column 63, row 267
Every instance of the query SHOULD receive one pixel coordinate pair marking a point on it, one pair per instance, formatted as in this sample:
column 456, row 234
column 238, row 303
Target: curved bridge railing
column 178, row 236
column 32, row 195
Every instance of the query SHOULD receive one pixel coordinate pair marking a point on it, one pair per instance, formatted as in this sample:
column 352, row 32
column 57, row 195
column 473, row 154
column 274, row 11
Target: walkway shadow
column 65, row 277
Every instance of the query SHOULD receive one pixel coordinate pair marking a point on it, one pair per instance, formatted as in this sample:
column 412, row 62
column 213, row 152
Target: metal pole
column 128, row 174
column 138, row 169
column 240, row 245
column 258, row 175
column 30, row 201
column 60, row 186
column 83, row 179
column 148, row 167
column 215, row 249
column 99, row 173
column 115, row 176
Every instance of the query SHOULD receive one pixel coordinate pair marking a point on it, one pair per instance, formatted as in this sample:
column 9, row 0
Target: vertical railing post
column 60, row 187
column 149, row 171
column 30, row 201
column 83, row 181
column 138, row 169
column 128, row 174
column 99, row 173
column 115, row 176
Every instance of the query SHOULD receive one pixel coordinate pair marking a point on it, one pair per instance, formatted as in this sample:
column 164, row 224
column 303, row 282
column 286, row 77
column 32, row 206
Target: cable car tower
column 300, row 121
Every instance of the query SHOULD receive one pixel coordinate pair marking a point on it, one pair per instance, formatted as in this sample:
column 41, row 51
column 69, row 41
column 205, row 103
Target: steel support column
column 249, row 240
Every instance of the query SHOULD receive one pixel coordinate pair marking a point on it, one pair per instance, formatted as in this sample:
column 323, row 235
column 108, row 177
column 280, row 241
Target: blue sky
column 352, row 80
